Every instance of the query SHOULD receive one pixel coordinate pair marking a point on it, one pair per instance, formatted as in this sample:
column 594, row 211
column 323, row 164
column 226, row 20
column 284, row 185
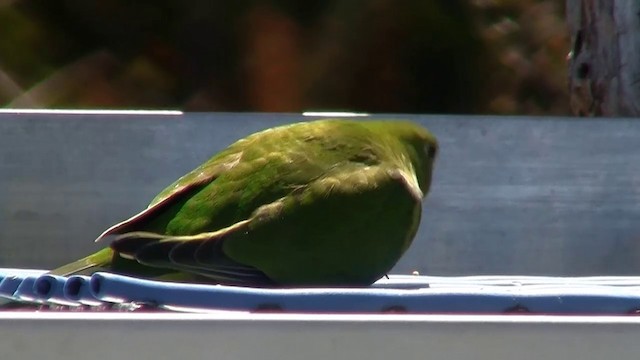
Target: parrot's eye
column 431, row 151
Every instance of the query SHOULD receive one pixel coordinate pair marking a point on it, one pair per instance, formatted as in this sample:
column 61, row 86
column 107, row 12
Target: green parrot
column 323, row 203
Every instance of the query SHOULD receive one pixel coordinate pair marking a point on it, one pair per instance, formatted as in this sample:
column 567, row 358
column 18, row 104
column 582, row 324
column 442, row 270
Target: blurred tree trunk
column 604, row 64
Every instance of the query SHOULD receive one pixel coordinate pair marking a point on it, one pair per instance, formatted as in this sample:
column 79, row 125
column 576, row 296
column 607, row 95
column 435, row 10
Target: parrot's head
column 421, row 147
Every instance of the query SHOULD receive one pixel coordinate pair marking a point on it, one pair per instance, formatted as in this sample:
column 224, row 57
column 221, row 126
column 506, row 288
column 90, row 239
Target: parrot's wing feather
column 142, row 216
column 181, row 188
column 179, row 253
column 185, row 252
column 163, row 254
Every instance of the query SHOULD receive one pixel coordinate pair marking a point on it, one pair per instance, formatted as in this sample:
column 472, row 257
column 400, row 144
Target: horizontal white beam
column 53, row 336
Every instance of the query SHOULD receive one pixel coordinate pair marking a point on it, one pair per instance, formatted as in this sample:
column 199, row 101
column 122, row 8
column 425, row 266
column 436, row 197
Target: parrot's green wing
column 345, row 228
column 180, row 189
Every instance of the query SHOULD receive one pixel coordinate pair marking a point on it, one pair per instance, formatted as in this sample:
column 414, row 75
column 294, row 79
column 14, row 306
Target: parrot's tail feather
column 99, row 261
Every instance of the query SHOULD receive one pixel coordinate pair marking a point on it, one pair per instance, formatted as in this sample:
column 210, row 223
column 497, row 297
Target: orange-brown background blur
column 411, row 56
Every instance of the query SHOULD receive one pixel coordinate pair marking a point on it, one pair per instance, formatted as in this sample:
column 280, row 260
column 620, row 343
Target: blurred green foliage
column 413, row 56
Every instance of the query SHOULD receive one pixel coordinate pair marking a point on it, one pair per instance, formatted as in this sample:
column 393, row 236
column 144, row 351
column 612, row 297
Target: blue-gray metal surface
column 539, row 196
column 598, row 295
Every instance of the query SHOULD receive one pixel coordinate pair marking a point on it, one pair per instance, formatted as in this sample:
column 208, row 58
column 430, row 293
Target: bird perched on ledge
column 322, row 203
